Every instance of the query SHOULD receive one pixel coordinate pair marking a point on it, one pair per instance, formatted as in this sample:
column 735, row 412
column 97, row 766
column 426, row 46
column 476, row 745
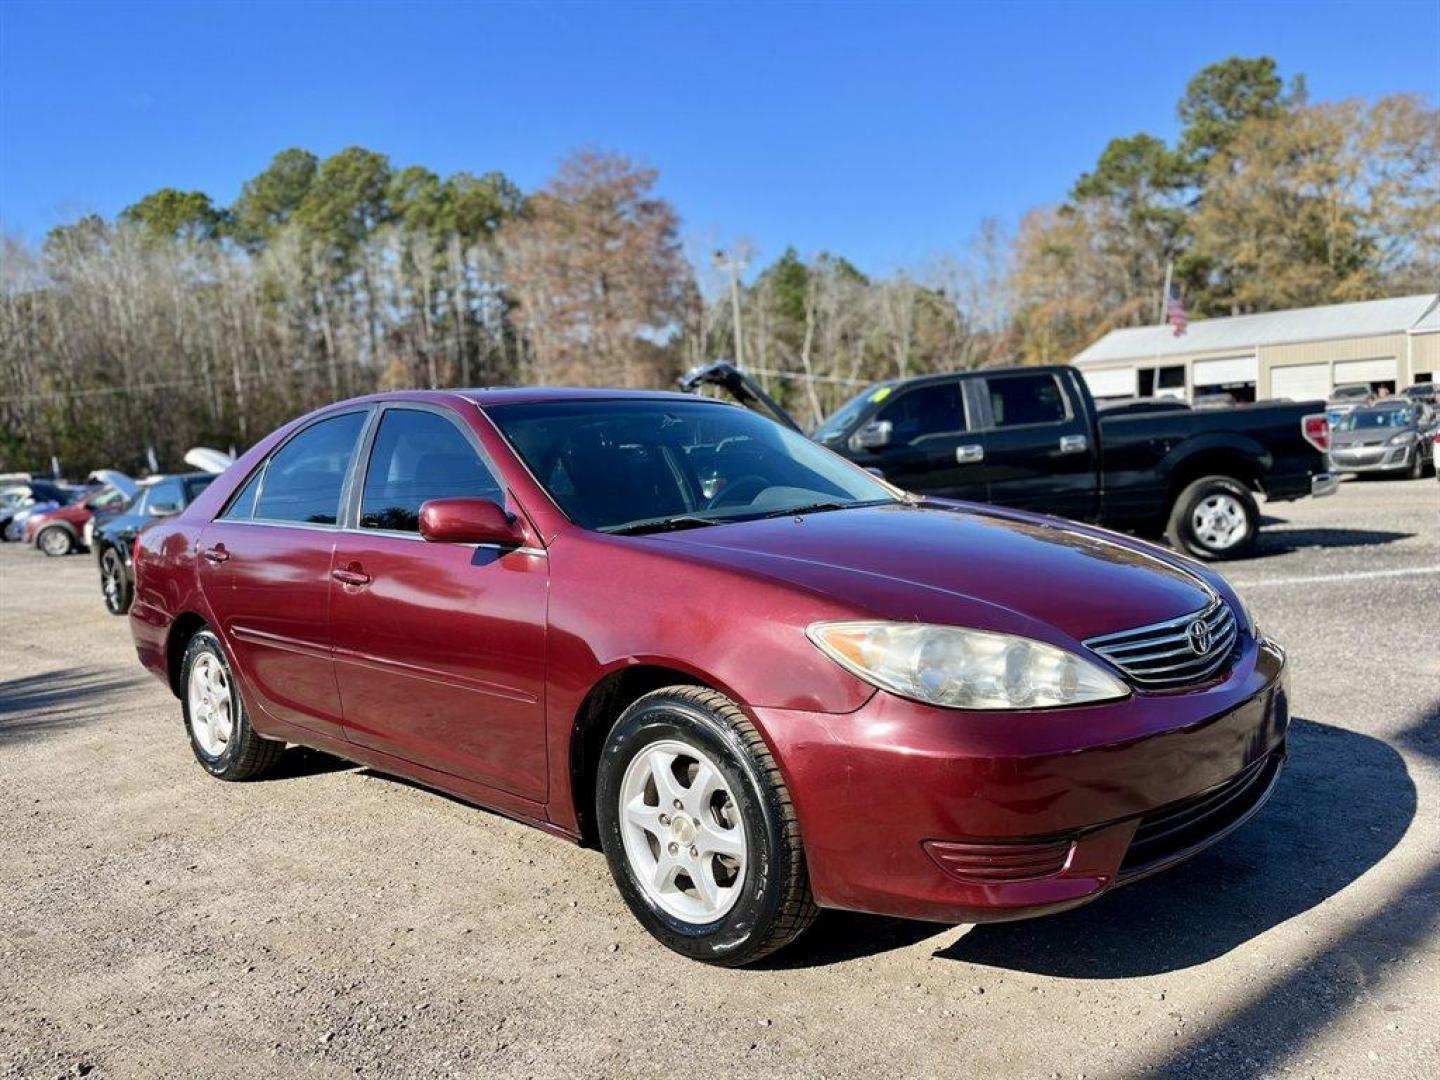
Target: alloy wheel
column 212, row 709
column 683, row 835
column 110, row 581
column 54, row 542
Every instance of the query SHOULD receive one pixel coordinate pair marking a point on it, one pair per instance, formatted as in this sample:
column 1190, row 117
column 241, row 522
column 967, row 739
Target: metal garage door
column 1365, row 371
column 1232, row 369
column 1301, row 382
column 1114, row 383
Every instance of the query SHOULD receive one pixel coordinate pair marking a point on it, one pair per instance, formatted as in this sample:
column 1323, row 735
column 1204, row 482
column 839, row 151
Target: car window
column 417, row 456
column 195, row 485
column 923, row 412
column 1026, row 399
column 304, row 478
column 242, row 505
column 617, row 464
column 840, row 420
column 167, row 496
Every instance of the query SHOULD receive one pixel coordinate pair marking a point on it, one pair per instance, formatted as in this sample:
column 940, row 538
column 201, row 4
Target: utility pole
column 734, row 265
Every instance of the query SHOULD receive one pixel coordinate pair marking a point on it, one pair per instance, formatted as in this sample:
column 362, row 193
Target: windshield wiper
column 822, row 507
column 665, row 524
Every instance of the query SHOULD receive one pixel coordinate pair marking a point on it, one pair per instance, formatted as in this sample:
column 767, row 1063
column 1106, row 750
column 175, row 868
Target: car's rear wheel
column 1214, row 518
column 699, row 830
column 114, row 582
column 220, row 732
column 54, row 541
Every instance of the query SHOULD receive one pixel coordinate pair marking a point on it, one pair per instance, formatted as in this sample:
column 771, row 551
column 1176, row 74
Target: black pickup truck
column 1034, row 438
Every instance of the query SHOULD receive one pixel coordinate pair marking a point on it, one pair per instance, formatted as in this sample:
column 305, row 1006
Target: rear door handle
column 969, row 453
column 1074, row 444
column 350, row 575
column 216, row 554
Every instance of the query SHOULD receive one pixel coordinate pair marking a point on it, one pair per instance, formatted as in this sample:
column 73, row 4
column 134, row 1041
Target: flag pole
column 1165, row 292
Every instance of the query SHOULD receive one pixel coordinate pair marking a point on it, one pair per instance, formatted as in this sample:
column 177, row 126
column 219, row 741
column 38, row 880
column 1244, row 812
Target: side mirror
column 873, row 436
column 468, row 521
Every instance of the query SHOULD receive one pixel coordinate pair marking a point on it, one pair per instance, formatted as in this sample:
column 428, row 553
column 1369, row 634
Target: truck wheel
column 1214, row 518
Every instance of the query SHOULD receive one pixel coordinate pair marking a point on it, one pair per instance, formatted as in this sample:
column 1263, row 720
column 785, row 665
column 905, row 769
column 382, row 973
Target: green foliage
column 171, row 214
column 348, row 199
column 1223, row 96
column 268, row 201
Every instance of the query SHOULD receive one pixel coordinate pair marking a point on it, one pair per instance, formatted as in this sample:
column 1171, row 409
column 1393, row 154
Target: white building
column 1300, row 354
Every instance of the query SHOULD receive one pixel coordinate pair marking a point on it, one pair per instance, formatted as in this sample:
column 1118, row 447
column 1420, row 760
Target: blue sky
column 881, row 132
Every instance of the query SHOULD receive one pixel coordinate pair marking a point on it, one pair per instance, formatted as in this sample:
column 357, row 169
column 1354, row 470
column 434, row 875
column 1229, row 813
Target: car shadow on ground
column 54, row 701
column 1343, row 802
column 1283, row 541
column 299, row 762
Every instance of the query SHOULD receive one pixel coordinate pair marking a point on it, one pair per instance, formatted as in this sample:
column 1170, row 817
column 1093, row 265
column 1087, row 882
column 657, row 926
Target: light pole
column 733, row 265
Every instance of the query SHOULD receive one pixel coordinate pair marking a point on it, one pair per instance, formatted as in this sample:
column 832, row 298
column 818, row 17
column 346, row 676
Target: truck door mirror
column 873, row 436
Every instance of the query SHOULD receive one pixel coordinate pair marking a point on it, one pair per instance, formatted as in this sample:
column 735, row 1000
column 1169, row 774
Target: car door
column 1038, row 452
column 439, row 647
column 924, row 442
column 265, row 571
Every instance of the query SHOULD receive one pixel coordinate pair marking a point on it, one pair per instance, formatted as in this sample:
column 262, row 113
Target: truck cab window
column 925, row 411
column 1026, row 399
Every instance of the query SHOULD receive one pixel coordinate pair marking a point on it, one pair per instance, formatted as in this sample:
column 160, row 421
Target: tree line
column 182, row 322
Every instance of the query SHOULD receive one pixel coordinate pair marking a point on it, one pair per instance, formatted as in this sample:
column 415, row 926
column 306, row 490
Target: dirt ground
column 155, row 922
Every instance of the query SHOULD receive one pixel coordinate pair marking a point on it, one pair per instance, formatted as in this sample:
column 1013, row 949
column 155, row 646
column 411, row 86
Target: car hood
column 963, row 563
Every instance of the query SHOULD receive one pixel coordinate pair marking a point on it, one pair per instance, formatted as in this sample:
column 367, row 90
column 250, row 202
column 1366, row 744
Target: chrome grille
column 1163, row 655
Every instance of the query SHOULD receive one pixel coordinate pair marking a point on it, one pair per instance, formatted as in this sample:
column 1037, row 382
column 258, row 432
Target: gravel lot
column 336, row 922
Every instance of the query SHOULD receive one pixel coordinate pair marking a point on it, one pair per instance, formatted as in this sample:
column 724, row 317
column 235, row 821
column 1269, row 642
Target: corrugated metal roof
column 1431, row 321
column 1246, row 332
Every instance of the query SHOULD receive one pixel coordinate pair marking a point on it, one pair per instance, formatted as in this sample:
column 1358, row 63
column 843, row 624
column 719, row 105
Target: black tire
column 775, row 905
column 117, row 599
column 1181, row 530
column 247, row 755
column 55, row 541
column 1417, row 463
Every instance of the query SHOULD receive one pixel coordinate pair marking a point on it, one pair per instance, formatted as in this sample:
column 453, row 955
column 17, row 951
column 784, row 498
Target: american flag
column 1175, row 312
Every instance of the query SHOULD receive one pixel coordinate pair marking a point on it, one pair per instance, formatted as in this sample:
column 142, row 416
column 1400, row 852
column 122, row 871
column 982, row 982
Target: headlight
column 1401, row 437
column 963, row 669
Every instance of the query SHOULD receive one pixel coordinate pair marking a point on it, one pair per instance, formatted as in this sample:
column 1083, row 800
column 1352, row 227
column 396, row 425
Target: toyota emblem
column 1199, row 635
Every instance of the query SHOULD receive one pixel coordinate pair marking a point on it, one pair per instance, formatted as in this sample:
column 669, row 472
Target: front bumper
column 1373, row 458
column 927, row 813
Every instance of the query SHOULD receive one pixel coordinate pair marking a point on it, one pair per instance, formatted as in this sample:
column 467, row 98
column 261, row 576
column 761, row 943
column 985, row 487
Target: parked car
column 1390, row 437
column 59, row 531
column 1033, row 439
column 760, row 678
column 22, row 501
column 114, row 539
column 1350, row 396
column 1425, row 393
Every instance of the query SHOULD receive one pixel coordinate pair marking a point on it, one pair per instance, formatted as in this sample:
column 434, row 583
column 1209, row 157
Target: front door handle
column 350, row 575
column 969, row 453
column 1074, row 444
column 216, row 554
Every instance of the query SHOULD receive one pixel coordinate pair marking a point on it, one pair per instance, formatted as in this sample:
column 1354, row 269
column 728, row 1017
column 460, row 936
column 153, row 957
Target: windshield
column 842, row 418
column 640, row 465
column 1364, row 421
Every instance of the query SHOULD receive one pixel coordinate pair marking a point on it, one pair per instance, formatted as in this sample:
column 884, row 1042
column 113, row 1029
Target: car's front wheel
column 699, row 829
column 114, row 582
column 1214, row 518
column 54, row 541
column 220, row 732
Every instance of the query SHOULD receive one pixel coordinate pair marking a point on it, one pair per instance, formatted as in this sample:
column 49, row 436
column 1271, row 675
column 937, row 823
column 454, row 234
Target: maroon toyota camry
column 760, row 678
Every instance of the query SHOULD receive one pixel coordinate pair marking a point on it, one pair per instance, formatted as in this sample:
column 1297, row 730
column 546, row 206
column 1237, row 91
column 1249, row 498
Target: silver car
column 1393, row 437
